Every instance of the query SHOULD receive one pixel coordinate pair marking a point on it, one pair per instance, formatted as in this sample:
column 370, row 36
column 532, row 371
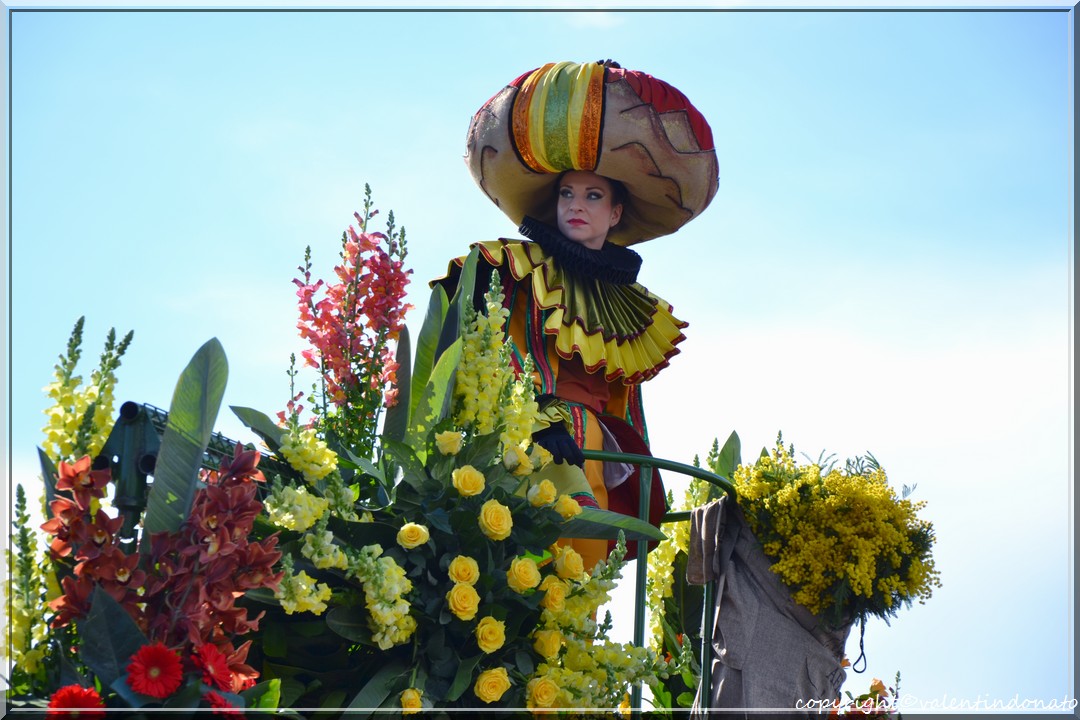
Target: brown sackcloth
column 767, row 650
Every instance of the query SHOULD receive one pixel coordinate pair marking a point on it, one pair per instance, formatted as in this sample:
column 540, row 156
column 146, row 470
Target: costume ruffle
column 621, row 329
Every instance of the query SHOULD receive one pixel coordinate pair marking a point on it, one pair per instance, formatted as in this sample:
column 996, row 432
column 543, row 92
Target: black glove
column 557, row 441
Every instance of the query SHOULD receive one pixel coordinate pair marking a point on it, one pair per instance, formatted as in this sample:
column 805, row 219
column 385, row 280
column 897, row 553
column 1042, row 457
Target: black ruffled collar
column 611, row 263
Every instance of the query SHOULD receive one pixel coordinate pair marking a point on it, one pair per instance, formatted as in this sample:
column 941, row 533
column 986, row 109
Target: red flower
column 83, row 482
column 74, row 603
column 75, row 701
column 214, row 666
column 155, row 671
column 220, row 704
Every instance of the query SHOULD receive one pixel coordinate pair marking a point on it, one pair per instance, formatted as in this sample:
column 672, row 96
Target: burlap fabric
column 767, row 650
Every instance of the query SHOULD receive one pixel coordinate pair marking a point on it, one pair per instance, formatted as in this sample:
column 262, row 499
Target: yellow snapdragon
column 307, row 454
column 294, row 508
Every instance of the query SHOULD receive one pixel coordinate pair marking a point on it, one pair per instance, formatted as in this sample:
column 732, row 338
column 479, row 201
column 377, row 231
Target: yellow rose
column 491, row 684
column 523, row 574
column 547, row 643
column 541, row 692
column 542, row 494
column 517, row 460
column 567, row 507
column 463, row 601
column 490, row 634
column 412, row 535
column 410, row 701
column 449, row 442
column 468, row 481
column 555, row 591
column 463, row 569
column 540, row 456
column 569, row 565
column 495, row 520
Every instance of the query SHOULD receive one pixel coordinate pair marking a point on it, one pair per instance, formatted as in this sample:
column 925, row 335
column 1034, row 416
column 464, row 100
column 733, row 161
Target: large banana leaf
column 605, row 525
column 426, row 345
column 386, row 679
column 435, row 400
column 261, row 424
column 192, row 413
column 397, row 415
column 729, row 458
column 463, row 297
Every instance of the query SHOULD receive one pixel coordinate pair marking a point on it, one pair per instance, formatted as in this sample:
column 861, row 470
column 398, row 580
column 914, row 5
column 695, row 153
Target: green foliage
column 192, row 414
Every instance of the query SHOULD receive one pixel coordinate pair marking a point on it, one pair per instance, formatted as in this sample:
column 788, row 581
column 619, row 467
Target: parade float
column 400, row 537
column 391, row 542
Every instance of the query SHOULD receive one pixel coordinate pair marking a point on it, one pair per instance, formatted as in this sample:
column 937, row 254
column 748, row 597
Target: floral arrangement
column 841, row 539
column 340, row 567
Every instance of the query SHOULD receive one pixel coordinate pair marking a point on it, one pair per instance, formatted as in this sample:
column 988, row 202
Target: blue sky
column 886, row 266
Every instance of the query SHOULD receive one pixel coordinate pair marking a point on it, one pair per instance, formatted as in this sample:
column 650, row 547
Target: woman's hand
column 558, row 441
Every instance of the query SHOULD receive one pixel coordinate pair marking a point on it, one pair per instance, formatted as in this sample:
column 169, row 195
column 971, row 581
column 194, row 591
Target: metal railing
column 646, row 464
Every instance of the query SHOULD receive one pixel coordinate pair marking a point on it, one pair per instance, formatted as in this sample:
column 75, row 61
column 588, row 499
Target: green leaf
column 363, row 464
column 261, row 425
column 379, row 687
column 266, row 694
column 462, row 678
column 686, row 699
column 729, row 458
column 412, row 467
column 108, row 638
column 192, row 413
column 48, row 475
column 463, row 297
column 397, row 415
column 427, row 343
column 358, row 534
column 435, row 400
column 605, row 525
column 350, row 623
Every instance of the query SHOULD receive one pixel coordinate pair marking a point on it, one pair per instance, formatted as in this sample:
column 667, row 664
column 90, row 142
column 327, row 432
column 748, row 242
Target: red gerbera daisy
column 220, row 704
column 155, row 671
column 214, row 666
column 75, row 701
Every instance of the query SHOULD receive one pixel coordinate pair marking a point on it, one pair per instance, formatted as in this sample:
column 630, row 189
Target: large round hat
column 618, row 123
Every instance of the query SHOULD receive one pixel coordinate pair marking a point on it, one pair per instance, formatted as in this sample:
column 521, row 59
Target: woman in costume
column 588, row 159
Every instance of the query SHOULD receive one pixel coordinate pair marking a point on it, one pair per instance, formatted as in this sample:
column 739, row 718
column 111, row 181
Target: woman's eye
column 595, row 196
column 565, row 192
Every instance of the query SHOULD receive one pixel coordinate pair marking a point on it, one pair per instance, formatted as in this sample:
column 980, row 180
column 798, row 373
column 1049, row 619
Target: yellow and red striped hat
column 621, row 124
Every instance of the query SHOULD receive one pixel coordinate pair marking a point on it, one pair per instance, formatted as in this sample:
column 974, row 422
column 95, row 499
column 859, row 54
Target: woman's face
column 585, row 212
